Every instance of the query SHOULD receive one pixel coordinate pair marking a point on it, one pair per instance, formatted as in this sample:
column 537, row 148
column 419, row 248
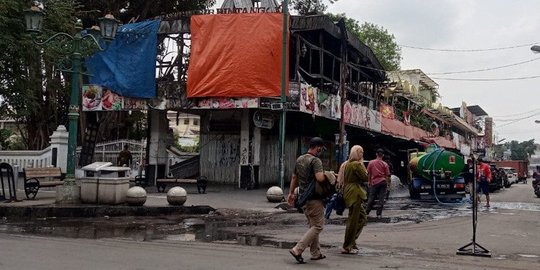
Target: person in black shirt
column 468, row 176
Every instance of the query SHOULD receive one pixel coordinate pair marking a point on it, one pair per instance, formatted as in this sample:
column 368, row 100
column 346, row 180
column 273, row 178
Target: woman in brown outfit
column 352, row 174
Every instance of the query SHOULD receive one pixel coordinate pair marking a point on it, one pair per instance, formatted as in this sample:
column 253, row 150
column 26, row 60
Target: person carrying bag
column 307, row 172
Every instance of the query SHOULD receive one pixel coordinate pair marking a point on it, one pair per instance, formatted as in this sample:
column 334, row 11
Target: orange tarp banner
column 236, row 55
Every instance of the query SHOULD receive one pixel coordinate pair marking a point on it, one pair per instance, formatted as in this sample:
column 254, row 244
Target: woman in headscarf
column 352, row 174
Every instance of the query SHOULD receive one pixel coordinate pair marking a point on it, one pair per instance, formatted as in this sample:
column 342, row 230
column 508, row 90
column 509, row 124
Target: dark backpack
column 315, row 190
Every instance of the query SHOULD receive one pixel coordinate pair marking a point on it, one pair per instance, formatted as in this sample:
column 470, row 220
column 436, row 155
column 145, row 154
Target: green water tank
column 441, row 161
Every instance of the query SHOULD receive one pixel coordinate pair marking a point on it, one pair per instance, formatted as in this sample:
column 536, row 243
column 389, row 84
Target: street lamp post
column 283, row 117
column 74, row 46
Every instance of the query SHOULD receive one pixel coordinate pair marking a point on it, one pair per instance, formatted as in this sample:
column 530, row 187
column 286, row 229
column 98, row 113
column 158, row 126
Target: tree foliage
column 138, row 10
column 521, row 150
column 382, row 43
column 32, row 89
column 310, row 7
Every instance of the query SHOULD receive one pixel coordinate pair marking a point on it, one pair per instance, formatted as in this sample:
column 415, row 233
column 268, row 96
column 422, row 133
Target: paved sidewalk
column 217, row 197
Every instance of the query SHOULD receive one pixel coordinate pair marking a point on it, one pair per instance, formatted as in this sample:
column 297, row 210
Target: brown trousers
column 314, row 211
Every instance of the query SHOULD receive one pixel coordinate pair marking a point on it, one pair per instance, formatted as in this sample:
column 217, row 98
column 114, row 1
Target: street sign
column 263, row 119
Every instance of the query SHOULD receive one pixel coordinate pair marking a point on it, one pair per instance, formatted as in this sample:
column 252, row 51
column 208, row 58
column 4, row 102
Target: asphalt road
column 509, row 229
column 517, row 193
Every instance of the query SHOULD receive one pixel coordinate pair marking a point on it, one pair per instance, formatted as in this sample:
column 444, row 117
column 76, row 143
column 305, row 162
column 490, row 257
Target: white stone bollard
column 176, row 196
column 136, row 196
column 274, row 194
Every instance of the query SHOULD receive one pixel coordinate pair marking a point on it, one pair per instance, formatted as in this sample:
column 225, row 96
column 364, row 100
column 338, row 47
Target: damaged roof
column 324, row 23
column 474, row 109
column 477, row 110
column 425, row 80
column 248, row 4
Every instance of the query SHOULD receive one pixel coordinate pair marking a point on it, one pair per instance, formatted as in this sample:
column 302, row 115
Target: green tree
column 32, row 90
column 522, row 150
column 498, row 151
column 308, row 7
column 382, row 43
column 4, row 138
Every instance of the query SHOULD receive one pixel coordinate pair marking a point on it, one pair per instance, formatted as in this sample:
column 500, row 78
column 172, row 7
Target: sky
column 468, row 25
column 465, row 25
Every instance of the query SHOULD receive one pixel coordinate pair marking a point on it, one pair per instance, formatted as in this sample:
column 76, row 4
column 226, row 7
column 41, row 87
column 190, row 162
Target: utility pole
column 342, row 90
column 284, row 82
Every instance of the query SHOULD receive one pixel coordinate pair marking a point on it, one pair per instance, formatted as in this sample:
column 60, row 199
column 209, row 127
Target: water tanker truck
column 435, row 174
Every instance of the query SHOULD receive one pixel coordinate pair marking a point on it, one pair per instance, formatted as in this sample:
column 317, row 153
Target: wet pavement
column 251, row 227
column 418, row 234
column 232, row 227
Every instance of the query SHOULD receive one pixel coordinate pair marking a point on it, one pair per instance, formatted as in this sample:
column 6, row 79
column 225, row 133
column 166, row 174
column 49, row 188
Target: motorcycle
column 536, row 186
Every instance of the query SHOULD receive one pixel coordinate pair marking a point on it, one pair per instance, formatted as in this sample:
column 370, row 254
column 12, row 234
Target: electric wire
column 470, row 79
column 515, row 114
column 519, row 132
column 517, row 120
column 468, row 50
column 487, row 79
column 483, row 69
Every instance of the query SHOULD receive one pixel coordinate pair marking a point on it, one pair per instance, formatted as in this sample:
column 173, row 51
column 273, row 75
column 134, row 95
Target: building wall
column 219, row 146
column 269, row 166
column 220, row 151
column 220, row 157
column 187, row 129
column 8, row 124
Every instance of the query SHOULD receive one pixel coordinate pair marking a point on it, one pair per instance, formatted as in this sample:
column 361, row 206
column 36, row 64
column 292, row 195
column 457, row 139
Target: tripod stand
column 473, row 248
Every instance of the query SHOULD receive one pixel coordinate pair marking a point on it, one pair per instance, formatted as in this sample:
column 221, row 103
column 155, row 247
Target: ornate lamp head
column 108, row 26
column 34, row 17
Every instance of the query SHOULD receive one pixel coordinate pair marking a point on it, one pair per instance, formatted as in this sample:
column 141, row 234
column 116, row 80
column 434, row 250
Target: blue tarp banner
column 128, row 66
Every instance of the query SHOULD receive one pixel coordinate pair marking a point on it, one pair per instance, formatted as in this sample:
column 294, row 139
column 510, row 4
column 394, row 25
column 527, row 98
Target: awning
column 399, row 129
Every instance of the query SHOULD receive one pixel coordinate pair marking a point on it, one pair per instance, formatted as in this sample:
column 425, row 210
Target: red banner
column 236, row 55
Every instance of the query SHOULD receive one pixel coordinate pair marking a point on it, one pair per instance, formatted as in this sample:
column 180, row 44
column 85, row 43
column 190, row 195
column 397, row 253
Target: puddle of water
column 516, row 206
column 145, row 229
column 528, row 256
column 186, row 237
column 216, row 229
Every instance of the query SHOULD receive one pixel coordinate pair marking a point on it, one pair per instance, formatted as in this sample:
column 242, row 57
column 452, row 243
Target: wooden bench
column 140, row 181
column 201, row 182
column 36, row 178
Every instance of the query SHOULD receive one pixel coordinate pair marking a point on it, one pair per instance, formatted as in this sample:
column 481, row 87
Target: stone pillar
column 59, row 148
column 244, row 146
column 256, row 155
column 159, row 140
column 256, row 146
column 244, row 138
